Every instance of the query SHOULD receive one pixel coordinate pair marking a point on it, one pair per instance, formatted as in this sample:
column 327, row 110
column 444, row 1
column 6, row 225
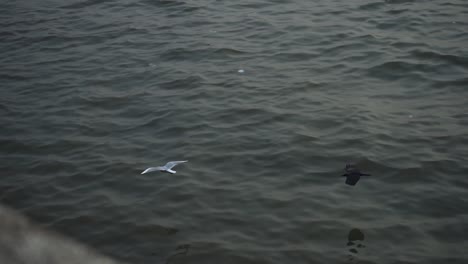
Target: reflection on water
column 171, row 231
column 355, row 237
column 180, row 250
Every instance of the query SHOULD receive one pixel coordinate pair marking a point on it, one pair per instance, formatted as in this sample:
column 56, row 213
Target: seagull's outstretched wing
column 151, row 169
column 171, row 164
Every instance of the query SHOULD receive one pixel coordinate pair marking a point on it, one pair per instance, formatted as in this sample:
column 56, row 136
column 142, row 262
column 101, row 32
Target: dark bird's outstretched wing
column 352, row 180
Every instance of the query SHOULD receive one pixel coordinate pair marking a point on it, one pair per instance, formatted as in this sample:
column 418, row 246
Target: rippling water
column 94, row 91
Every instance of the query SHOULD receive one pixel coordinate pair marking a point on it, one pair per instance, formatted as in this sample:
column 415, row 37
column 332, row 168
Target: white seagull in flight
column 165, row 168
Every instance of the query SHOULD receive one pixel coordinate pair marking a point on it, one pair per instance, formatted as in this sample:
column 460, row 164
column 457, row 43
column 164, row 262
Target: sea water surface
column 267, row 99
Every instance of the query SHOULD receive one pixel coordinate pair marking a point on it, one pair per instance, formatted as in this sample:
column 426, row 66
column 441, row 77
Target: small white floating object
column 165, row 168
column 410, row 116
column 241, row 71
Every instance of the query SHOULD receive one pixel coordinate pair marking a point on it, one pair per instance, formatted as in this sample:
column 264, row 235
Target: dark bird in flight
column 353, row 174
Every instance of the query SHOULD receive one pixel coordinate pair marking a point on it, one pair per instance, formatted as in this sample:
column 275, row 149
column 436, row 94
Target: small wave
column 294, row 56
column 164, row 3
column 200, row 54
column 399, row 1
column 462, row 82
column 439, row 57
column 372, row 6
column 448, row 230
column 396, row 11
column 14, row 77
column 189, row 82
column 87, row 3
column 393, row 70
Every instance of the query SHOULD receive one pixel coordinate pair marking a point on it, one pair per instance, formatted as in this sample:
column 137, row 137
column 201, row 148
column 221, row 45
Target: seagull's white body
column 166, row 168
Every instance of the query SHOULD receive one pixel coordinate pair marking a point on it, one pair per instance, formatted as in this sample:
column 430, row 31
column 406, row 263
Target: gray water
column 93, row 92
